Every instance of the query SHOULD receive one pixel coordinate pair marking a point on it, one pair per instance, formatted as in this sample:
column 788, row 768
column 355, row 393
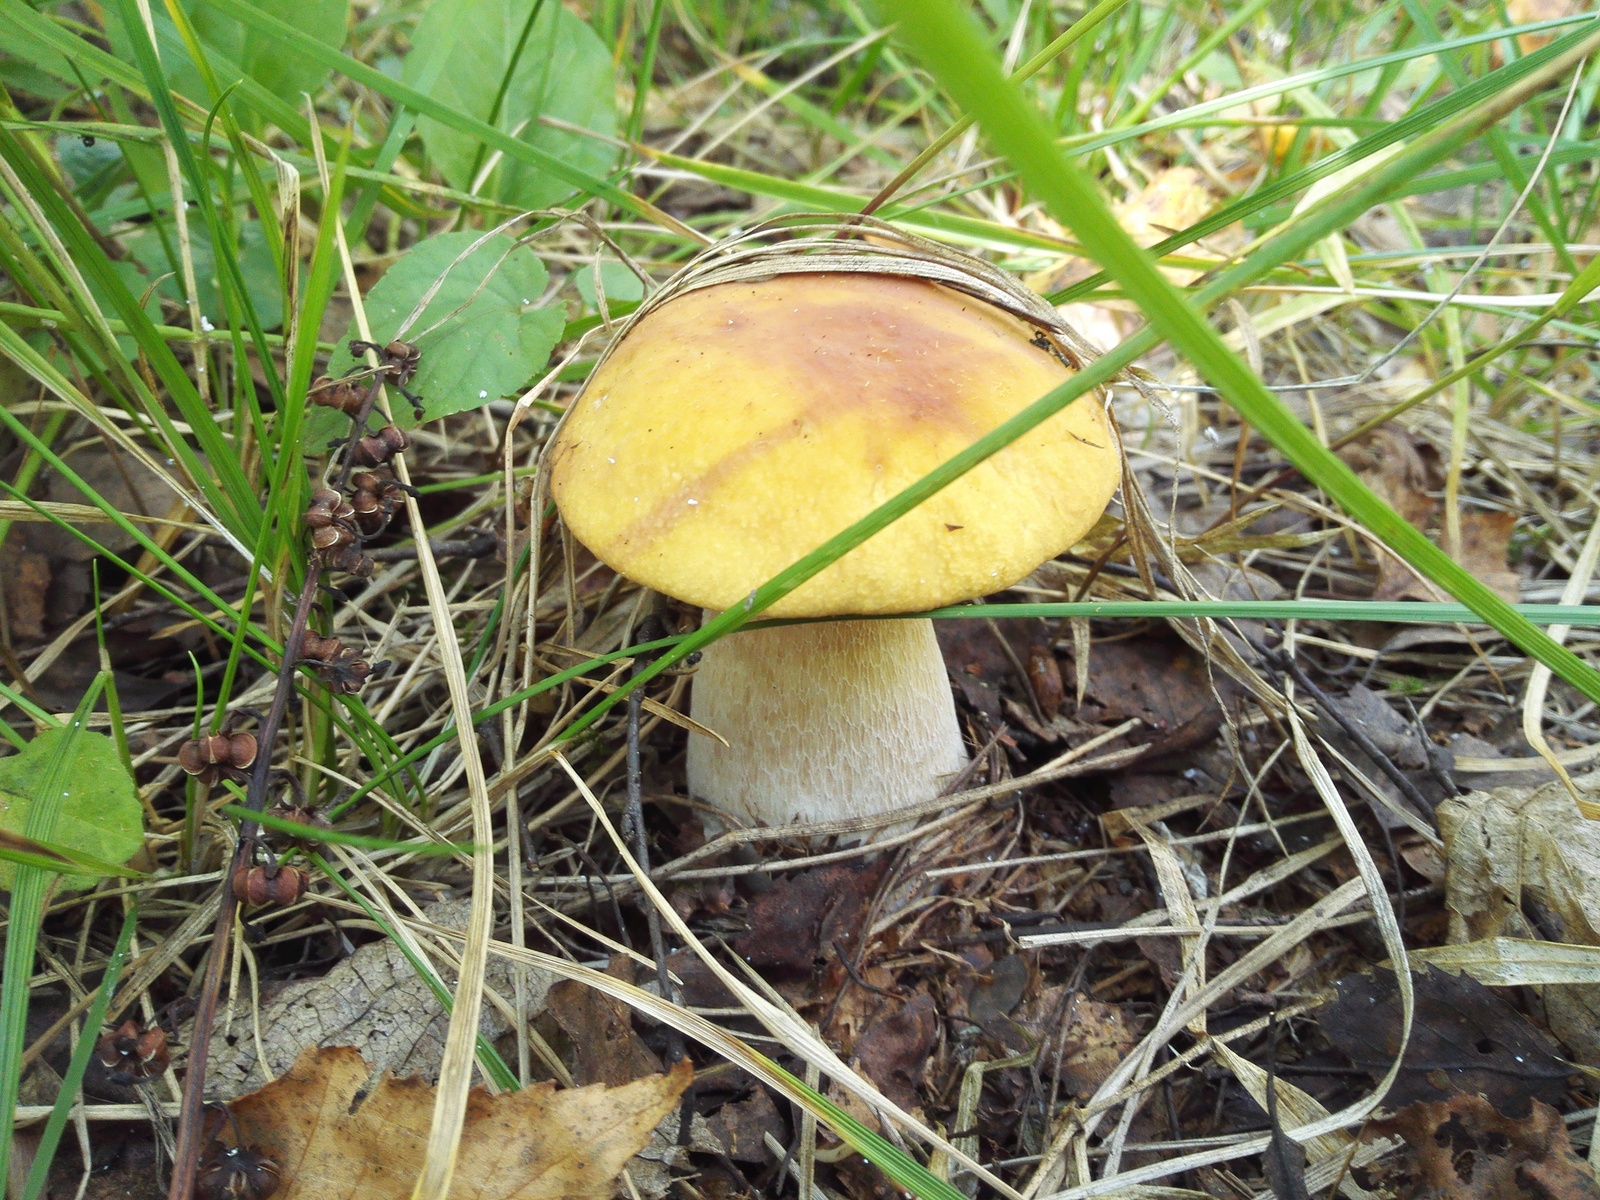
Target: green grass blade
column 233, row 290
column 337, row 837
column 1415, row 124
column 1409, row 612
column 222, row 481
column 488, row 1057
column 45, row 1153
column 96, row 63
column 954, row 50
column 899, row 1166
column 47, row 856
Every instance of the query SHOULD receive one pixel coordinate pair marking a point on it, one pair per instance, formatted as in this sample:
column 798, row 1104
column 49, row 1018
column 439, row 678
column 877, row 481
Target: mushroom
column 737, row 426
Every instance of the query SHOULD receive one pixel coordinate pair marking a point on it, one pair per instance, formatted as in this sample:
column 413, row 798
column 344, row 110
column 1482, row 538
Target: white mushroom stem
column 824, row 721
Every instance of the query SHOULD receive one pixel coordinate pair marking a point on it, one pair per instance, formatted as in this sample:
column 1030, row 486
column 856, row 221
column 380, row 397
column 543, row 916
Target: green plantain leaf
column 503, row 71
column 255, row 265
column 98, row 814
column 263, row 57
column 495, row 343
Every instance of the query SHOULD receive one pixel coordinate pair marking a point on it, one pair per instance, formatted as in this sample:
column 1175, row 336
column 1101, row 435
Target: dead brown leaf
column 1485, row 538
column 1464, row 1150
column 1391, row 465
column 794, row 924
column 1080, row 1040
column 1163, row 683
column 25, row 577
column 605, row 1048
column 742, row 1127
column 893, row 1050
column 333, row 1139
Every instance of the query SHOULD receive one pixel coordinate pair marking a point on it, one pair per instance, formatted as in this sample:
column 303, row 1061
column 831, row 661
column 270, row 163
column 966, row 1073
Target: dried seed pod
column 211, row 757
column 378, row 448
column 131, row 1052
column 331, row 537
column 375, row 500
column 341, row 394
column 346, row 675
column 278, row 884
column 352, row 560
column 340, row 667
column 327, row 508
column 316, row 648
column 235, row 1173
column 400, row 359
column 241, row 749
column 300, row 814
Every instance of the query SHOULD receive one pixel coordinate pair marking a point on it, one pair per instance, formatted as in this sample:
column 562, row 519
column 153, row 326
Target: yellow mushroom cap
column 738, row 427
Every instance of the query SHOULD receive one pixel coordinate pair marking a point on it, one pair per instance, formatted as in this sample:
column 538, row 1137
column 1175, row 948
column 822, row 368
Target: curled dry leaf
column 333, row 1138
column 1523, row 862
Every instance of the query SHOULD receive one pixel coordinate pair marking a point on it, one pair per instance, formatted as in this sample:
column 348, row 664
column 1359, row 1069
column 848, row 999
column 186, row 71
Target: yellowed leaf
column 1174, row 199
column 332, row 1139
column 1530, row 12
column 1517, row 962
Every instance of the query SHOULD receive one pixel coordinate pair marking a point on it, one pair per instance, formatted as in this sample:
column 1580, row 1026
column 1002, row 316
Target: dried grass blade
column 456, row 1066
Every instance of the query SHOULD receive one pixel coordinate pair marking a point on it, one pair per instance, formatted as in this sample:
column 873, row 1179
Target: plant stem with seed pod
column 190, row 1114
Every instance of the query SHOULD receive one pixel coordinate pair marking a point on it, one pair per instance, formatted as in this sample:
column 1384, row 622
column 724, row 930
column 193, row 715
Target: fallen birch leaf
column 333, row 1138
column 1173, row 200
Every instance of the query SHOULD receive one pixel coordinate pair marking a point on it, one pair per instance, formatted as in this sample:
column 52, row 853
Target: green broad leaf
column 482, row 335
column 620, row 283
column 236, row 50
column 508, row 73
column 98, row 815
column 255, row 264
column 263, row 57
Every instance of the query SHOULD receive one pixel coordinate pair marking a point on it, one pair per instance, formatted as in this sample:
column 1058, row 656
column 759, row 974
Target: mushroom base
column 824, row 722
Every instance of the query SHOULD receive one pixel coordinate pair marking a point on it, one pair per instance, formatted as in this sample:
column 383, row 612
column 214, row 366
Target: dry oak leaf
column 333, row 1138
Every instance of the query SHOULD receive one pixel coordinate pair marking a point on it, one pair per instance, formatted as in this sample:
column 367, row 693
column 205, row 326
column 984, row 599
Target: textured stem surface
column 824, row 721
